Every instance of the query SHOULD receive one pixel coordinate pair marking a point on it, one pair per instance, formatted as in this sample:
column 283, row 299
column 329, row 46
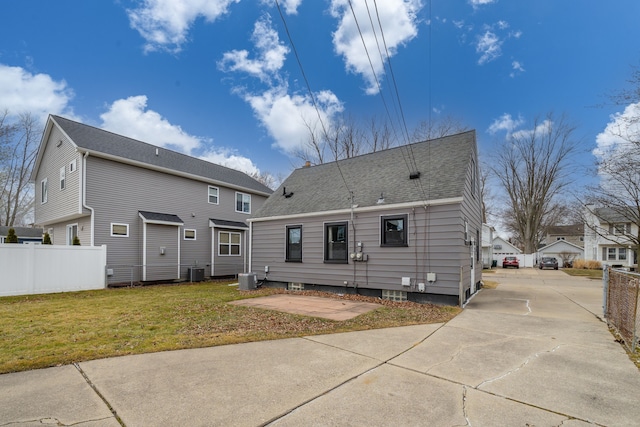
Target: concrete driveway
column 532, row 352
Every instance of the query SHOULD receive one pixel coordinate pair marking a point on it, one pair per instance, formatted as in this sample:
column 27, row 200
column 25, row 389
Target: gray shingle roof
column 616, row 215
column 225, row 223
column 25, row 232
column 442, row 163
column 158, row 216
column 101, row 141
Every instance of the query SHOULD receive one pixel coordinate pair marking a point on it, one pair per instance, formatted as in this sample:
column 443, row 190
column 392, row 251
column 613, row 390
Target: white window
column 243, row 203
column 72, row 232
column 619, row 229
column 44, row 192
column 622, row 254
column 62, row 178
column 73, row 166
column 614, row 254
column 213, row 195
column 189, row 234
column 119, row 230
column 228, row 243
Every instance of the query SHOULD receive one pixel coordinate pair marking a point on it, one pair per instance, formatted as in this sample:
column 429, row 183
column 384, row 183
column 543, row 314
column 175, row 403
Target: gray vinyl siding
column 58, row 231
column 441, row 251
column 229, row 265
column 471, row 209
column 117, row 191
column 60, row 203
column 162, row 266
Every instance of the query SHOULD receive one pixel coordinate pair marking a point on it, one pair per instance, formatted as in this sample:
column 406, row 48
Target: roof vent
column 285, row 194
column 156, row 151
column 414, row 175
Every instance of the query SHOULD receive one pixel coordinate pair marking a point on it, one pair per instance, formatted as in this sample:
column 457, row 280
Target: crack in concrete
column 464, row 406
column 51, row 421
column 95, row 389
column 525, row 363
column 465, row 347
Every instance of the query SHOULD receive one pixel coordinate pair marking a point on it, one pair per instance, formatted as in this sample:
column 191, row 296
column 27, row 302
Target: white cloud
column 228, row 158
column 398, row 19
column 517, row 68
column 290, row 6
column 130, row 117
column 489, row 46
column 622, row 128
column 286, row 117
column 164, row 24
column 478, row 3
column 505, row 123
column 38, row 94
column 271, row 53
column 542, row 128
column 289, row 118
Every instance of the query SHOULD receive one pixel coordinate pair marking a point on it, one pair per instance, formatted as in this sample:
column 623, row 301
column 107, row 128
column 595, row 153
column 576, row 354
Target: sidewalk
column 531, row 352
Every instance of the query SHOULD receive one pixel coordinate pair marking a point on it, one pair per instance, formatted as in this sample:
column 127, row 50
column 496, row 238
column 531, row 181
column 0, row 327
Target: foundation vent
column 394, row 295
column 296, row 286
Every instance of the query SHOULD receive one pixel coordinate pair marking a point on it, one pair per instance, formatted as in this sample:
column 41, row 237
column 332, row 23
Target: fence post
column 635, row 317
column 461, row 289
column 605, row 291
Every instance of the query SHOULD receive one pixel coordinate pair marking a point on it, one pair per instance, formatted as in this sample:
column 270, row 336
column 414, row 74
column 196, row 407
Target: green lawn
column 54, row 329
column 592, row 274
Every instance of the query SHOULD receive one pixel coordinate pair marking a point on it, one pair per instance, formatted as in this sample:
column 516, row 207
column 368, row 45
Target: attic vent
column 414, row 175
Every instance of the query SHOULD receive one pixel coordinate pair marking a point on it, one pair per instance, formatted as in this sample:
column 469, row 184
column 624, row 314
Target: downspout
column 355, row 247
column 248, row 247
column 84, row 194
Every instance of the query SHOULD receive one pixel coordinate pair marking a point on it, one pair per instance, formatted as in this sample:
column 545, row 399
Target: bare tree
column 266, row 178
column 616, row 198
column 533, row 169
column 18, row 149
column 346, row 138
column 444, row 126
column 379, row 135
column 486, row 194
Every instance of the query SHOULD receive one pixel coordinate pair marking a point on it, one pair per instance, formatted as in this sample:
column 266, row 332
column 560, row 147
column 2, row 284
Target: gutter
column 84, row 194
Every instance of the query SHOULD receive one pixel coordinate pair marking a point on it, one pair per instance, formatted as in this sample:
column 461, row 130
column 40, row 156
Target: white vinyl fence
column 39, row 269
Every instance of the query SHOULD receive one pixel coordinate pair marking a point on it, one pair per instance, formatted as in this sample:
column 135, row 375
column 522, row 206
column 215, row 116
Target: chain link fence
column 621, row 293
column 131, row 275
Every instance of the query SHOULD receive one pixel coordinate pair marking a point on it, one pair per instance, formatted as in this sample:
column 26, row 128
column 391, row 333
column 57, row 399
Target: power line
column 373, row 71
column 313, row 98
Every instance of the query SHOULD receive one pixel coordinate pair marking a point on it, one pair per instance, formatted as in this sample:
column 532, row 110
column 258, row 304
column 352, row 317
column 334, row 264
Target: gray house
column 24, row 234
column 159, row 212
column 403, row 223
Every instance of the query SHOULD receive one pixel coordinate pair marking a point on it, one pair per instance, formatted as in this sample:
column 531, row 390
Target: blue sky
column 219, row 79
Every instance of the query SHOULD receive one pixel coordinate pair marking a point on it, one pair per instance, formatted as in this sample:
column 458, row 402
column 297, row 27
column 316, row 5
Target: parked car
column 548, row 262
column 510, row 261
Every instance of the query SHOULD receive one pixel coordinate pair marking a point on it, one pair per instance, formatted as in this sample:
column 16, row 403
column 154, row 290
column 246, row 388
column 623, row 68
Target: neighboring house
column 158, row 211
column 606, row 238
column 487, row 245
column 503, row 248
column 571, row 233
column 402, row 223
column 565, row 252
column 25, row 234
